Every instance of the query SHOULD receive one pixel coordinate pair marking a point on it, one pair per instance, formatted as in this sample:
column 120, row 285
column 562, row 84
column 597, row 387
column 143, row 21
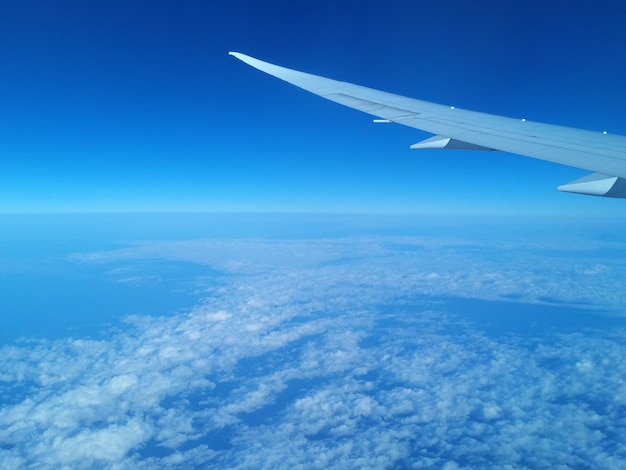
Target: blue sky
column 136, row 106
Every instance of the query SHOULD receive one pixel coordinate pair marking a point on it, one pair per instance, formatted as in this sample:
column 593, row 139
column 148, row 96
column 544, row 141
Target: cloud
column 336, row 353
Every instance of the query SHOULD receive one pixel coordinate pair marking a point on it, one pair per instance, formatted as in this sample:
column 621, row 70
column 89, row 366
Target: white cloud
column 325, row 354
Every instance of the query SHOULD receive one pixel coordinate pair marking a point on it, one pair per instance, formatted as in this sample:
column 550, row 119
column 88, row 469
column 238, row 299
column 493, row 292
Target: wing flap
column 440, row 142
column 597, row 184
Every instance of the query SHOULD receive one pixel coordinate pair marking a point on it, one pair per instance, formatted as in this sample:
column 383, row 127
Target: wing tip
column 256, row 63
column 239, row 55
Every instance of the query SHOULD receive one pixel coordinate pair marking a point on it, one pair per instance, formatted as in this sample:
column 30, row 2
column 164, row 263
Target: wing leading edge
column 603, row 154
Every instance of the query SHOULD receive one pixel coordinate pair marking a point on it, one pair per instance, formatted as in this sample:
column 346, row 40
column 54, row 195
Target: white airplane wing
column 454, row 128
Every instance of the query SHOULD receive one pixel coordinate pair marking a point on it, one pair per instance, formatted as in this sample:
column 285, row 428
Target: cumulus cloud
column 336, row 353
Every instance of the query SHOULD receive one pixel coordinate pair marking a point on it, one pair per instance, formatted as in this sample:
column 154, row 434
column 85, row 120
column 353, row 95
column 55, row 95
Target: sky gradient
column 136, row 106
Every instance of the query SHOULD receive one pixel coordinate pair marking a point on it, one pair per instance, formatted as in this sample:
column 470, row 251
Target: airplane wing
column 603, row 154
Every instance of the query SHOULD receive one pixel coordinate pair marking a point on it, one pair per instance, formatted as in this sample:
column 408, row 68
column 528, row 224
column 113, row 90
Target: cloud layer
column 334, row 353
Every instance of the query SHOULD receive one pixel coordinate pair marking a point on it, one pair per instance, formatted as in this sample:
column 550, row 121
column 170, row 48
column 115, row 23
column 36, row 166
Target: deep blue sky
column 136, row 105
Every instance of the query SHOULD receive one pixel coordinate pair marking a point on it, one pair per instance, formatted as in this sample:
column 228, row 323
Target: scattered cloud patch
column 334, row 353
